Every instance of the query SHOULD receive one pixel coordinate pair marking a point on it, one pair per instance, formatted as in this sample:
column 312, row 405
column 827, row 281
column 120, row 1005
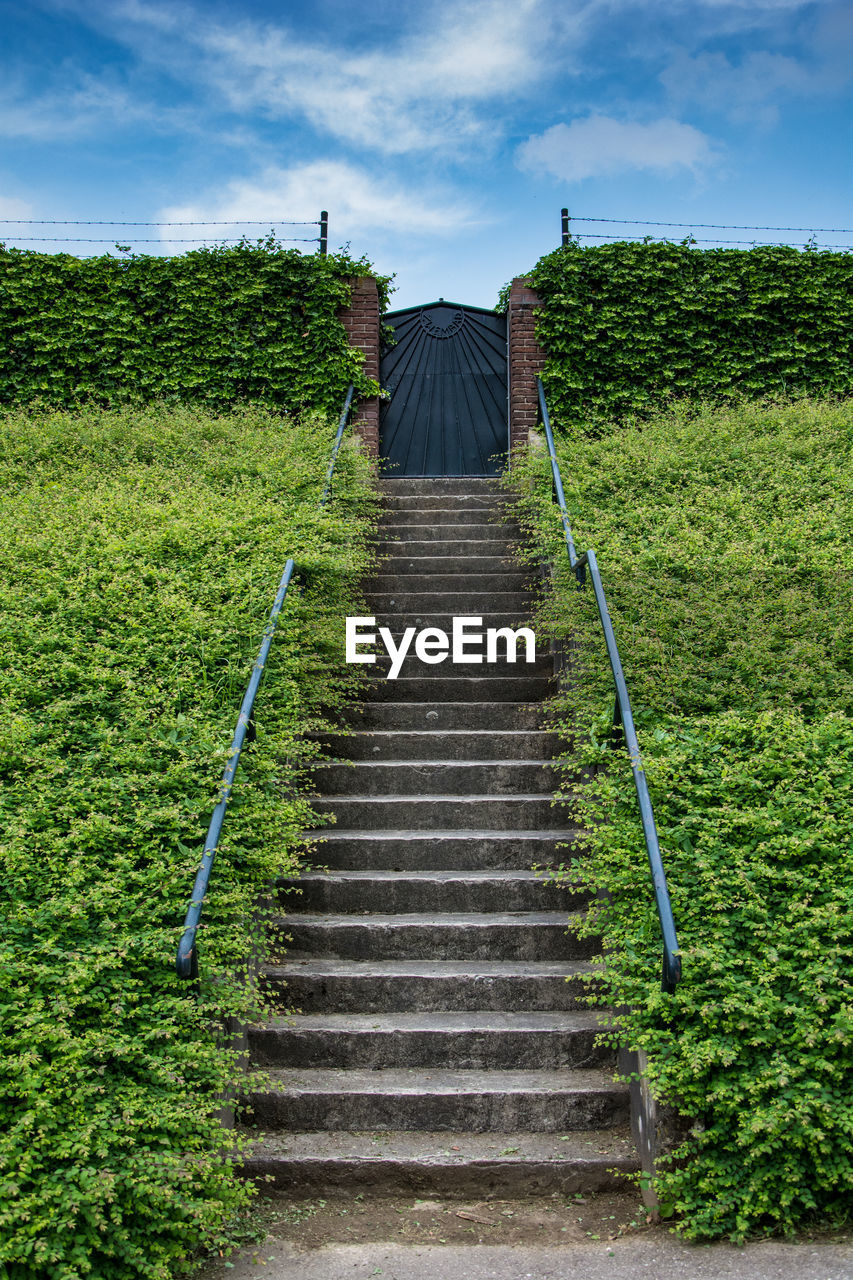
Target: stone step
column 442, row 812
column 492, row 544
column 484, row 716
column 460, row 935
column 436, row 486
column 414, row 516
column 433, row 580
column 471, row 528
column 462, row 1041
column 401, row 563
column 429, row 890
column 320, row 985
column 363, row 778
column 445, row 744
column 446, row 688
column 445, row 1165
column 492, row 503
column 414, row 668
column 434, row 1099
column 469, row 603
column 341, row 847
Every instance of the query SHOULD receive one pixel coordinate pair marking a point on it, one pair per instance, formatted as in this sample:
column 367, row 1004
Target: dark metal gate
column 447, row 377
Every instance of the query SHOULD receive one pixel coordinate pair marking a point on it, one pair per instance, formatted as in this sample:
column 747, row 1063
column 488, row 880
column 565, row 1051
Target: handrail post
column 324, row 233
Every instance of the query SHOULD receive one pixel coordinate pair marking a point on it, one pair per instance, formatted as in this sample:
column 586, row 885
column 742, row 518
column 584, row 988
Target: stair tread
column 380, row 874
column 448, row 1147
column 446, row 919
column 499, row 1021
column 436, row 833
column 325, row 967
column 440, row 1080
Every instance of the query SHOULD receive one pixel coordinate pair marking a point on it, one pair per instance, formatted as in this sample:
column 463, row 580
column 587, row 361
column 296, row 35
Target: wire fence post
column 324, row 232
column 564, row 216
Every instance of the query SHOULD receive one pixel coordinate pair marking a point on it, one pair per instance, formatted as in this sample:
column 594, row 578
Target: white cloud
column 420, row 91
column 11, row 207
column 599, row 146
column 357, row 202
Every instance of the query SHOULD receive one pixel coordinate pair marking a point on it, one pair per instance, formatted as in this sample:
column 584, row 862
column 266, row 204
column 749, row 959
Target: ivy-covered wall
column 630, row 327
column 214, row 326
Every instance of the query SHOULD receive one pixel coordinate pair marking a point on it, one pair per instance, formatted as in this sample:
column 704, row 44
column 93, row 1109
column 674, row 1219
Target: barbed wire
column 231, row 222
column 155, row 240
column 717, row 226
column 767, row 244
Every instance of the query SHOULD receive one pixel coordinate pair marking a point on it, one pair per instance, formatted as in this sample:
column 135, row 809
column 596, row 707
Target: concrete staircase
column 442, row 1046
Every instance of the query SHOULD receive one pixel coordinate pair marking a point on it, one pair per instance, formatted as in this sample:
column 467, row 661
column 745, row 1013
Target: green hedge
column 141, row 551
column 629, row 327
column 214, row 326
column 724, row 540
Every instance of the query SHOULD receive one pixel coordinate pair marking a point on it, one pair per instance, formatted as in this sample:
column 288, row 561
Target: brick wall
column 361, row 321
column 526, row 359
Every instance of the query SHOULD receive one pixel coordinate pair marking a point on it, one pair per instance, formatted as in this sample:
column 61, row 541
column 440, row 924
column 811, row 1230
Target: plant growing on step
column 141, row 550
column 724, row 542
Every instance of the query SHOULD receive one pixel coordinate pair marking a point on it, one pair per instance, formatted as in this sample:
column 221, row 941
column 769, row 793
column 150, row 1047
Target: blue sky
column 443, row 136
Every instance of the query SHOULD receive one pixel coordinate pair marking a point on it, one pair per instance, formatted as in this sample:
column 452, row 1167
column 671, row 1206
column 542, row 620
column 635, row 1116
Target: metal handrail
column 622, row 718
column 186, row 961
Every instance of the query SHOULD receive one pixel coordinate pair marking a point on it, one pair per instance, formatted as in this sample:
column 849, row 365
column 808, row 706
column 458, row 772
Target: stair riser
column 439, row 486
column 513, row 813
column 492, row 544
column 469, row 527
column 442, row 746
column 320, row 893
column 490, row 503
column 467, row 603
column 442, row 853
column 414, row 668
column 443, row 715
column 363, row 940
column 477, row 1113
column 459, row 1050
column 402, row 563
column 424, row 579
column 448, row 517
column 463, row 689
column 505, row 1179
column 422, row 994
column 498, row 778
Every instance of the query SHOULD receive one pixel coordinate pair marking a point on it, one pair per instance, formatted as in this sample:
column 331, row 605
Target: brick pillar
column 526, row 359
column 361, row 321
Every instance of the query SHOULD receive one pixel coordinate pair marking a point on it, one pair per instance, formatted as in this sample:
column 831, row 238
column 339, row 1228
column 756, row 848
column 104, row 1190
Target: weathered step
column 446, row 688
column 442, row 812
column 459, row 935
column 382, row 986
column 447, row 777
column 437, row 486
column 488, row 502
column 470, row 529
column 430, row 890
column 447, row 1164
column 432, row 580
column 398, row 563
column 445, row 744
column 484, row 716
column 492, row 544
column 435, row 1099
column 343, row 847
column 462, row 1041
column 469, row 603
column 414, row 668
column 405, row 516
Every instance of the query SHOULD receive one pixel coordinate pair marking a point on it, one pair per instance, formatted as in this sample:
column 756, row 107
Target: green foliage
column 214, row 326
column 629, row 328
column 724, row 541
column 141, row 551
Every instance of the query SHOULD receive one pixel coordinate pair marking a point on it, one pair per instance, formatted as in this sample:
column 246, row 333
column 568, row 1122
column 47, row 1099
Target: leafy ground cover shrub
column 213, row 326
column 141, row 551
column 724, row 540
column 629, row 328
